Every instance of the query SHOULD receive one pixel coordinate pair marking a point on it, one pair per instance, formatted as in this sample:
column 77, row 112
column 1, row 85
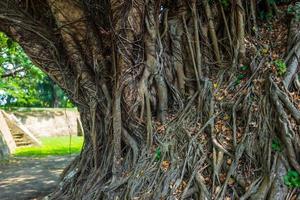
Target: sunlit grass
column 62, row 145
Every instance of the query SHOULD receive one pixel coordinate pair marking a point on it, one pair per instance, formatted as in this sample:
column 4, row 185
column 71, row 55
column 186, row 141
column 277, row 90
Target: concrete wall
column 47, row 121
column 7, row 143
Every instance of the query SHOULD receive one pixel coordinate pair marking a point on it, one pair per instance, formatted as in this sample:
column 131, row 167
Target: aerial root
column 189, row 159
column 286, row 131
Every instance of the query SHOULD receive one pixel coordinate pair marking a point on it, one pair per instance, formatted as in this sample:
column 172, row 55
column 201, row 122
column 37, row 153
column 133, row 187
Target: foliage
column 244, row 68
column 29, row 86
column 225, row 3
column 294, row 10
column 62, row 145
column 276, row 145
column 241, row 75
column 158, row 154
column 278, row 1
column 280, row 66
column 264, row 15
column 292, row 179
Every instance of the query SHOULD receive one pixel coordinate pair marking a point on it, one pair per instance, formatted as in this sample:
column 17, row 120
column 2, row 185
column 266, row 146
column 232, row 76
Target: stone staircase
column 19, row 132
column 20, row 139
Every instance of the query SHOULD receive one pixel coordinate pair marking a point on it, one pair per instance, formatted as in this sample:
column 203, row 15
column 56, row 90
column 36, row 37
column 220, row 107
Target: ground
column 26, row 178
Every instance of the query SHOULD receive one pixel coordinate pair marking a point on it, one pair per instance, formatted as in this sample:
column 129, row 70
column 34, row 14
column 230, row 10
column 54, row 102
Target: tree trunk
column 155, row 125
column 54, row 101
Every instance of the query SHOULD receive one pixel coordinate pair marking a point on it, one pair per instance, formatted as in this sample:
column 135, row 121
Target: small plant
column 225, row 3
column 276, row 145
column 241, row 76
column 292, row 179
column 263, row 15
column 280, row 66
column 238, row 79
column 157, row 154
column 244, row 68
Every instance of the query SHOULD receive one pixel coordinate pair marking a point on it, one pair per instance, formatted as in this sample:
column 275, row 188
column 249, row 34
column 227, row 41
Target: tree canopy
column 22, row 84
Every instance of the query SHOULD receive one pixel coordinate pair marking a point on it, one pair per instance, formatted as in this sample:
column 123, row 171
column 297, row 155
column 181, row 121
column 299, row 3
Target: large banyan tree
column 178, row 98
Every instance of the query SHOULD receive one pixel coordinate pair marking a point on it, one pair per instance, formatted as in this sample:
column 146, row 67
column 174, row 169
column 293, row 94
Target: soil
column 30, row 178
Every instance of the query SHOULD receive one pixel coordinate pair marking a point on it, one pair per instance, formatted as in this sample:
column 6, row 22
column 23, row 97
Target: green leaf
column 244, row 68
column 292, row 179
column 241, row 76
column 157, row 154
column 280, row 66
column 225, row 3
column 276, row 145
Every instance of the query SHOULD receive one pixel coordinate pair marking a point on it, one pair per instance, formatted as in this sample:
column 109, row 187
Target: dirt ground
column 30, row 178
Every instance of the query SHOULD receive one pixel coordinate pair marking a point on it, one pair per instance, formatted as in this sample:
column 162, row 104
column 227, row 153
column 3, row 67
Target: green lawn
column 62, row 145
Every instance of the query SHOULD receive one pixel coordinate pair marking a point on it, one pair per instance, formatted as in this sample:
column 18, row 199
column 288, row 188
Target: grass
column 60, row 145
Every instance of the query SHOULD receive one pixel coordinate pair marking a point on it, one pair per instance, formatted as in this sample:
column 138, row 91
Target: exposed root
column 180, row 164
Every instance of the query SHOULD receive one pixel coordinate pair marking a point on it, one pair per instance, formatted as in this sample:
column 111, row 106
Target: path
column 30, row 178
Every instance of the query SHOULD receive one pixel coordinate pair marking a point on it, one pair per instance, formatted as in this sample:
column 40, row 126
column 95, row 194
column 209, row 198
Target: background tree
column 178, row 99
column 24, row 85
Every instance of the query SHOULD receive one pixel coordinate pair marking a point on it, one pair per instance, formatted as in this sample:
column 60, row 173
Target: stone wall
column 7, row 143
column 43, row 122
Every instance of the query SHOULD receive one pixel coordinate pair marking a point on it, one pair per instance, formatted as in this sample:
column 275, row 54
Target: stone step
column 23, row 143
column 19, row 140
column 18, row 136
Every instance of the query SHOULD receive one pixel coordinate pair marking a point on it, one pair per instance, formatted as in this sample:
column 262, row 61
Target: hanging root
column 293, row 55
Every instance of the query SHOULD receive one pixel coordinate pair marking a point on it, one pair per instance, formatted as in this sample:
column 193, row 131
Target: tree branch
column 12, row 72
column 41, row 43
